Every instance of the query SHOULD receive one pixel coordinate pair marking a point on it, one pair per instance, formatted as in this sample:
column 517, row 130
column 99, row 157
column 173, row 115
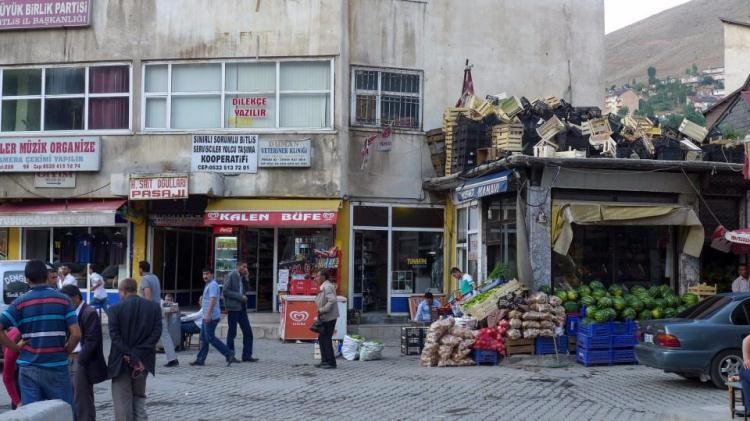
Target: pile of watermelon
column 618, row 303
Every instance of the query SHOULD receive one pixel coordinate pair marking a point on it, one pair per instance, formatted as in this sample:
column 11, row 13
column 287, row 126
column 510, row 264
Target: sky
column 621, row 13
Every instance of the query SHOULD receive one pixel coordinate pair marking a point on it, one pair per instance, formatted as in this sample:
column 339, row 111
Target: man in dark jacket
column 134, row 329
column 87, row 366
column 235, row 301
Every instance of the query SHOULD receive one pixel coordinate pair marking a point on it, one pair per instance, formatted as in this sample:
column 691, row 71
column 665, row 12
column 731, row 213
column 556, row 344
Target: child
column 424, row 311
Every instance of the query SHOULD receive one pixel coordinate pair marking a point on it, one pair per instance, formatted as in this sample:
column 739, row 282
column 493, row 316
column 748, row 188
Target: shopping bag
column 350, row 348
column 370, row 351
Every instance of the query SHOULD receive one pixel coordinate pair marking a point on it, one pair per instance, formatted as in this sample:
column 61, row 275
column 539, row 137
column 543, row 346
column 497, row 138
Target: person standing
column 465, row 281
column 741, row 284
column 235, row 301
column 134, row 329
column 66, row 277
column 10, row 370
column 97, row 287
column 47, row 322
column 150, row 289
column 211, row 316
column 87, row 365
column 328, row 312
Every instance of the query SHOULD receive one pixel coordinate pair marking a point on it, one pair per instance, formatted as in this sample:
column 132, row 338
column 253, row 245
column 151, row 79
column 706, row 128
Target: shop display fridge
column 225, row 256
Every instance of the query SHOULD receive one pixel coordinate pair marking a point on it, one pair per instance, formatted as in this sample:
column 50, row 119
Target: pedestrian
column 235, row 301
column 741, row 284
column 211, row 316
column 53, row 276
column 150, row 289
column 10, row 370
column 134, row 329
column 97, row 287
column 465, row 281
column 67, row 278
column 48, row 325
column 328, row 312
column 87, row 365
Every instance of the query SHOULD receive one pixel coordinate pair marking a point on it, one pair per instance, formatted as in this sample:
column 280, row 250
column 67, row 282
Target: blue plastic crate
column 593, row 342
column 544, row 345
column 623, row 355
column 623, row 328
column 589, row 357
column 595, row 329
column 486, row 356
column 623, row 341
column 571, row 324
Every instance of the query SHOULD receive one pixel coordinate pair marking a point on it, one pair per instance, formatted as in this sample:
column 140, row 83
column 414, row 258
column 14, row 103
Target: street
column 284, row 385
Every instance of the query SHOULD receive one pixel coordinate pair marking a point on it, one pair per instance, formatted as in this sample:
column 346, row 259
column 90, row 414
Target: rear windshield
column 705, row 308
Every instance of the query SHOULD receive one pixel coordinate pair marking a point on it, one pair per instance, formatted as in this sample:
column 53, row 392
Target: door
column 36, row 244
column 371, row 270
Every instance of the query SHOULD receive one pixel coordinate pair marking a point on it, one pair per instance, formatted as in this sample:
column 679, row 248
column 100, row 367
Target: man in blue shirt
column 49, row 331
column 424, row 311
column 211, row 316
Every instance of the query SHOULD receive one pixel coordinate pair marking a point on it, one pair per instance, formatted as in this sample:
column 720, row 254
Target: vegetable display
column 493, row 338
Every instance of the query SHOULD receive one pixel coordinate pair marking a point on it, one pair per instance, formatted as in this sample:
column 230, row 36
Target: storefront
column 397, row 251
column 280, row 239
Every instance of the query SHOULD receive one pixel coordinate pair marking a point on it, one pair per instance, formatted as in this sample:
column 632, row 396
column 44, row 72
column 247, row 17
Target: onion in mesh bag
column 516, row 323
column 546, row 324
column 531, row 324
column 530, row 333
column 538, row 298
column 514, row 334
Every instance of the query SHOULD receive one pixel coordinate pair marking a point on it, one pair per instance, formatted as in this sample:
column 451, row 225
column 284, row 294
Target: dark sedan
column 702, row 342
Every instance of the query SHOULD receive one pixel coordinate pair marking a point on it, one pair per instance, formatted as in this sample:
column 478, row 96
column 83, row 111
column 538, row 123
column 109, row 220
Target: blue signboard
column 483, row 186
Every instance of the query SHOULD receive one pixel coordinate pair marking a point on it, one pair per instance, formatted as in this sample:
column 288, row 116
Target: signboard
column 61, row 219
column 176, row 220
column 48, row 154
column 14, row 285
column 226, row 154
column 385, row 144
column 482, row 186
column 283, row 283
column 270, row 219
column 284, row 153
column 155, row 187
column 245, row 110
column 55, row 180
column 35, row 14
column 225, row 230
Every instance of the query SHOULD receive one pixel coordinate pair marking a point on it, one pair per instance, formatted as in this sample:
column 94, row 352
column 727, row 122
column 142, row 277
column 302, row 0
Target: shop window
column 62, row 96
column 104, row 247
column 417, row 262
column 3, row 243
column 386, row 97
column 418, row 217
column 371, row 216
column 468, row 256
column 191, row 96
column 500, row 235
column 297, row 250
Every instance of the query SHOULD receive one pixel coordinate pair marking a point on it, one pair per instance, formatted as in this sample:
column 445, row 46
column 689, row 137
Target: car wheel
column 724, row 364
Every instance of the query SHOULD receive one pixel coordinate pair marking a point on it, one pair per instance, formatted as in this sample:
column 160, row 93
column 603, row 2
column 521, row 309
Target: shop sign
column 225, row 230
column 176, row 220
column 54, row 180
column 156, row 187
column 48, row 154
column 226, row 154
column 416, row 262
column 245, row 110
column 483, row 186
column 61, row 219
column 40, row 14
column 271, row 219
column 283, row 283
column 284, row 153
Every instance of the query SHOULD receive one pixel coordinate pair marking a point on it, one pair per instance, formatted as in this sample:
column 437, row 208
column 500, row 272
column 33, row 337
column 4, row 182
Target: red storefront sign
column 270, row 218
column 225, row 230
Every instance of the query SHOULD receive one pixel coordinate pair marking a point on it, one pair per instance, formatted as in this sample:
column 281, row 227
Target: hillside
column 672, row 40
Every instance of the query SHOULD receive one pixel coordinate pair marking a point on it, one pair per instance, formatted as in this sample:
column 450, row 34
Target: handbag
column 317, row 326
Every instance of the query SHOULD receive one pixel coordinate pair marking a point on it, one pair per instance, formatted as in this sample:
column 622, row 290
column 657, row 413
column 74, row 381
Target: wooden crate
column 510, row 106
column 596, row 127
column 487, row 155
column 450, row 121
column 552, row 101
column 435, row 140
column 550, row 128
column 508, row 137
column 519, row 346
column 438, row 163
column 692, row 130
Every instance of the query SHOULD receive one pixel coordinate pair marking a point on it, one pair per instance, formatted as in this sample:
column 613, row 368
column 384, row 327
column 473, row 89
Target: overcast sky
column 621, row 13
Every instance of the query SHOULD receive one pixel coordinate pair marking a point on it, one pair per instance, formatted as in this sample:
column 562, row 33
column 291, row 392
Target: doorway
column 179, row 256
column 37, row 244
column 258, row 253
column 371, row 269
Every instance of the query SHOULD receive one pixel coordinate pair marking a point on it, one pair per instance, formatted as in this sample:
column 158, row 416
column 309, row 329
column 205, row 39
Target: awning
column 586, row 213
column 272, row 212
column 71, row 213
column 482, row 186
column 737, row 241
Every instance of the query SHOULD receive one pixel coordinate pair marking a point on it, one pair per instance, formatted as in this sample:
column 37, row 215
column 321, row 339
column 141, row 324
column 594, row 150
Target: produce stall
column 298, row 312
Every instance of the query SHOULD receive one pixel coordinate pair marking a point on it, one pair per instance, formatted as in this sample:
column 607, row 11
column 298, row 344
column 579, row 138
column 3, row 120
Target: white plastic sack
column 350, row 348
column 370, row 351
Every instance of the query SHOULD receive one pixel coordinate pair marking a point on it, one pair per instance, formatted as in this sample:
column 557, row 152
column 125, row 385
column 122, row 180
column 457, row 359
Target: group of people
column 428, row 305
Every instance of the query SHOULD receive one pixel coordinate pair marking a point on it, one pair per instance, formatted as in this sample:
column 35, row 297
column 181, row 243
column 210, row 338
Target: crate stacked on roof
column 606, row 343
column 436, row 143
column 450, row 121
column 469, row 135
column 508, row 136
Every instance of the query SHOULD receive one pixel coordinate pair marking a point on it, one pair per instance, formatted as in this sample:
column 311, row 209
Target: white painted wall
column 736, row 55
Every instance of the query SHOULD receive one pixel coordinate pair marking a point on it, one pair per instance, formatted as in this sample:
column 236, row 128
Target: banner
column 270, row 218
column 226, row 154
column 50, row 154
column 284, row 153
column 148, row 187
column 34, row 14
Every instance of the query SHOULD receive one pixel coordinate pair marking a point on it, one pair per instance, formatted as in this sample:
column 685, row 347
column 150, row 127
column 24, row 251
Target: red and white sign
column 144, row 187
column 245, row 110
column 31, row 14
column 270, row 218
column 50, row 154
column 225, row 230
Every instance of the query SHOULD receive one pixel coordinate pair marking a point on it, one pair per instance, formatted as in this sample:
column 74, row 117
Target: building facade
column 270, row 132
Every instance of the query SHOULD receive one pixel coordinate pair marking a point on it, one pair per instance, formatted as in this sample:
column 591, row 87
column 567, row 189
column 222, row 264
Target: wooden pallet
column 508, row 137
column 450, row 122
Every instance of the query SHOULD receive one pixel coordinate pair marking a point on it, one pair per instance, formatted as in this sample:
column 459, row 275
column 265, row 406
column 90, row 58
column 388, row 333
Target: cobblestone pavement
column 284, row 385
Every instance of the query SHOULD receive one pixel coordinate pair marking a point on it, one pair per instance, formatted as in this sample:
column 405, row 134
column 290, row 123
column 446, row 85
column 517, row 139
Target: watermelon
column 629, row 314
column 636, row 304
column 598, row 293
column 618, row 303
column 584, row 290
column 570, row 306
column 672, row 301
column 638, row 288
column 648, row 302
column 616, row 290
column 596, row 285
column 604, row 302
column 591, row 311
column 657, row 313
column 669, row 313
column 665, row 289
column 587, row 321
column 601, row 316
column 612, row 313
column 660, row 303
column 628, row 296
column 644, row 315
column 572, row 295
column 562, row 295
column 588, row 300
column 689, row 299
column 654, row 292
column 545, row 289
column 680, row 309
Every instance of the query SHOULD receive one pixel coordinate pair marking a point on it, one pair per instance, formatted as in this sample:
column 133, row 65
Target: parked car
column 702, row 342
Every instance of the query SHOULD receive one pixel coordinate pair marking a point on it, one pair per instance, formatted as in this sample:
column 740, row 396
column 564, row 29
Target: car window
column 705, row 308
column 740, row 314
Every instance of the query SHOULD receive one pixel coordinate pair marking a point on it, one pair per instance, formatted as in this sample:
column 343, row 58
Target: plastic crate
column 593, row 342
column 410, row 349
column 595, row 329
column 545, row 345
column 312, row 287
column 571, row 324
column 486, row 356
column 623, row 328
column 413, row 341
column 623, row 341
column 589, row 357
column 297, row 287
column 413, row 332
column 623, row 355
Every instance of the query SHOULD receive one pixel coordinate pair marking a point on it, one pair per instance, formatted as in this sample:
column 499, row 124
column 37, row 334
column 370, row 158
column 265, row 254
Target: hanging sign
column 33, row 155
column 226, row 154
column 284, row 153
column 245, row 110
column 148, row 187
column 55, row 180
column 39, row 14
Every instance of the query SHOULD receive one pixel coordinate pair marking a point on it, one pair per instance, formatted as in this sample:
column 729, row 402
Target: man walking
column 66, row 277
column 211, row 316
column 87, row 366
column 49, row 331
column 97, row 287
column 134, row 329
column 150, row 289
column 235, row 301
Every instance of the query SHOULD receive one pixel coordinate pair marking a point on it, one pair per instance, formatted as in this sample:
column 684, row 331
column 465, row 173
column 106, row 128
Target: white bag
column 350, row 348
column 371, row 351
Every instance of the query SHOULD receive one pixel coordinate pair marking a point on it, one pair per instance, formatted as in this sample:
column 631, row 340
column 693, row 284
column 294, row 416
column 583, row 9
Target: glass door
column 371, row 270
column 251, row 240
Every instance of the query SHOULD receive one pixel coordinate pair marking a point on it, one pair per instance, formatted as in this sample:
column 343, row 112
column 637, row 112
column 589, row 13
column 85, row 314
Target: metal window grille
column 390, row 97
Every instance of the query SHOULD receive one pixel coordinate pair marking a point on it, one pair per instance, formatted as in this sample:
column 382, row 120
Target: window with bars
column 65, row 99
column 386, row 97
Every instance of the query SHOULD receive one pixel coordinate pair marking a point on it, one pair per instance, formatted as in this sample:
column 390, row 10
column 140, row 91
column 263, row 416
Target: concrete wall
column 736, row 55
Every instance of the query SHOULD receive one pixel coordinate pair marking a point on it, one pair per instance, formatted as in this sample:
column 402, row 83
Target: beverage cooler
column 225, row 256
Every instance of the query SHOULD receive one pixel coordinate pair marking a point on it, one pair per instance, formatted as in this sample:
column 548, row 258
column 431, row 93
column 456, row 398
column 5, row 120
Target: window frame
column 379, row 94
column 463, row 248
column 86, row 95
column 224, row 92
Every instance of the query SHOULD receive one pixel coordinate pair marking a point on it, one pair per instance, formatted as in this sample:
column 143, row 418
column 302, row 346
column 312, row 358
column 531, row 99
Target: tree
column 623, row 111
column 651, row 75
